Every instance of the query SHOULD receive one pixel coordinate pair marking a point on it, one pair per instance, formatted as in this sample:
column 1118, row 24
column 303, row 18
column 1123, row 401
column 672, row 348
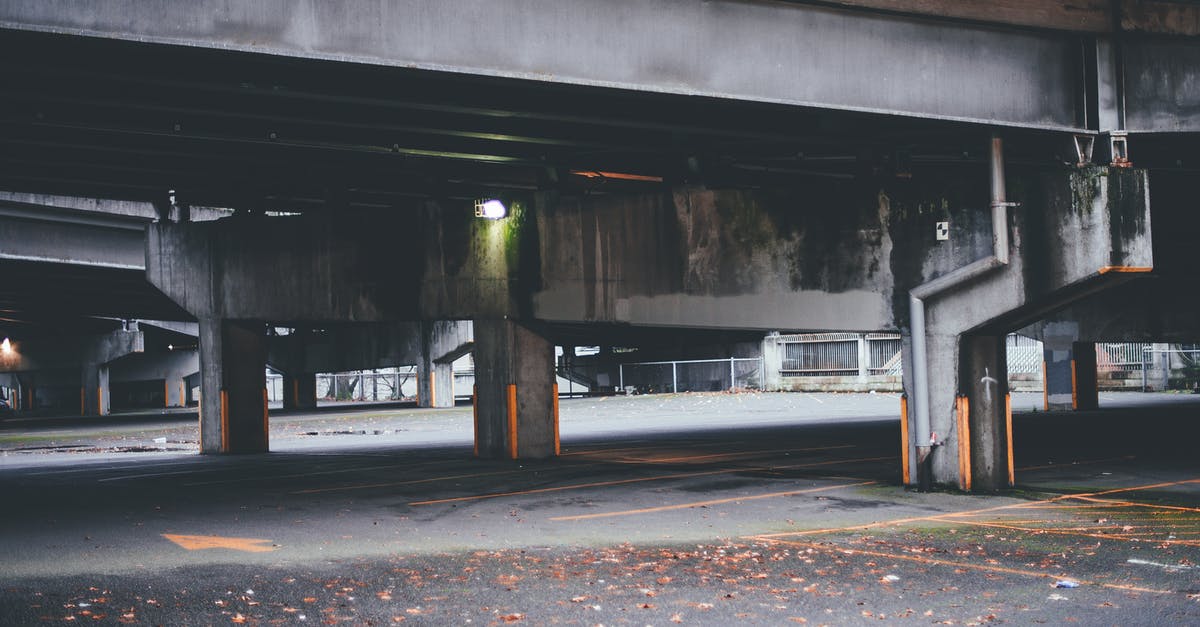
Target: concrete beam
column 779, row 52
column 71, row 352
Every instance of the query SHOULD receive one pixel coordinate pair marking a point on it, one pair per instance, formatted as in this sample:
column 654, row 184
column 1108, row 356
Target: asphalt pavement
column 668, row 509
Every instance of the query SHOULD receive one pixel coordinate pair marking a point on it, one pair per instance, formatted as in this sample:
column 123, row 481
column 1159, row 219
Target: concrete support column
column 516, row 407
column 300, row 390
column 233, row 401
column 1058, row 387
column 435, row 377
column 435, row 384
column 1069, row 368
column 1087, row 388
column 772, row 353
column 94, row 396
column 174, row 390
column 983, row 387
column 968, row 396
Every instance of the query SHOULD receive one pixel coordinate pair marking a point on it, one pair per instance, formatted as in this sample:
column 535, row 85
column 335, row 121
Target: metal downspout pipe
column 916, row 304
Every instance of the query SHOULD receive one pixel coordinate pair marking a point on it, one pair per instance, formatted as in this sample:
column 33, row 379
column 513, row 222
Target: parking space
column 693, row 508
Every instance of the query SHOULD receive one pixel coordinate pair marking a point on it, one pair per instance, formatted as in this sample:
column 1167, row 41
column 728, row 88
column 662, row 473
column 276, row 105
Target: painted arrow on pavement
column 196, row 543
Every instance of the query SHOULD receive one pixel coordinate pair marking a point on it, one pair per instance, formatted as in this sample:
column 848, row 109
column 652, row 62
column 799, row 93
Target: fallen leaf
column 512, row 618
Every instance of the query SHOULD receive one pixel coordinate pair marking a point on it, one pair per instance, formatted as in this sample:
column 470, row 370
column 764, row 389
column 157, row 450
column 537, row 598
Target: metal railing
column 1024, row 355
column 695, row 375
column 1180, row 368
column 840, row 354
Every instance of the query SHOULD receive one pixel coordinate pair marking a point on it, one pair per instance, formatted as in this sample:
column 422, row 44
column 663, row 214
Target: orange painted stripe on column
column 904, row 473
column 99, row 401
column 166, row 393
column 964, row 443
column 1074, row 395
column 82, row 401
column 1123, row 269
column 557, row 447
column 295, row 392
column 1012, row 469
column 475, row 415
column 1045, row 390
column 512, row 421
column 182, row 393
column 432, row 389
column 224, row 421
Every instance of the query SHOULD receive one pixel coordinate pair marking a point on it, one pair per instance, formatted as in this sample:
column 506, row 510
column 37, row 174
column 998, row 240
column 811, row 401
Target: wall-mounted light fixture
column 6, row 347
column 491, row 209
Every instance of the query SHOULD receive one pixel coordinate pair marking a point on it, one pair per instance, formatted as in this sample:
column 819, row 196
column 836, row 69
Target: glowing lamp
column 490, row 209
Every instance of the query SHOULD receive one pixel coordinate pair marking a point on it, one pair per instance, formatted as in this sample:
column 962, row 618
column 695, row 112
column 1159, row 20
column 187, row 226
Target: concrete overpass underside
column 728, row 166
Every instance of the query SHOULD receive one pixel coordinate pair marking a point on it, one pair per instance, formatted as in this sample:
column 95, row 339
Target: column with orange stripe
column 233, row 412
column 516, row 408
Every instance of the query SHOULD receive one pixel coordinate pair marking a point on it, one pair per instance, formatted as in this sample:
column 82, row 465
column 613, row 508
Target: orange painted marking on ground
column 949, row 517
column 666, row 508
column 965, row 565
column 1178, row 508
column 1060, row 532
column 600, row 484
column 199, row 543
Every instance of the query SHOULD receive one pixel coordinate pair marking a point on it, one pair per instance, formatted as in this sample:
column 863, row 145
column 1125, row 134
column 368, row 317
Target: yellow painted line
column 600, row 484
column 953, row 564
column 512, row 421
column 1060, row 532
column 951, row 517
column 198, row 543
column 1124, row 269
column 432, row 388
column 1012, row 473
column 904, row 472
column 666, row 508
column 1175, row 508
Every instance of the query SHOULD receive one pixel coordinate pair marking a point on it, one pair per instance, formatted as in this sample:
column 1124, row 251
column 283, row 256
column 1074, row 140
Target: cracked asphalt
column 670, row 509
